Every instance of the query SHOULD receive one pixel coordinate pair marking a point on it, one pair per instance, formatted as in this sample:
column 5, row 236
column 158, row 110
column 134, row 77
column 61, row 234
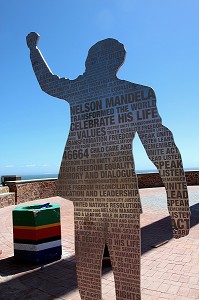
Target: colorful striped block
column 37, row 233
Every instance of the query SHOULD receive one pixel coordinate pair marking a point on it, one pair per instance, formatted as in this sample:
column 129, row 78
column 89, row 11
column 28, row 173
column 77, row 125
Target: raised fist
column 32, row 39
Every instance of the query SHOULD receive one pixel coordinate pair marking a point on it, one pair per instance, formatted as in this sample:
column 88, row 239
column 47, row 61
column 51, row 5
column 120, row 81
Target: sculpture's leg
column 124, row 249
column 89, row 248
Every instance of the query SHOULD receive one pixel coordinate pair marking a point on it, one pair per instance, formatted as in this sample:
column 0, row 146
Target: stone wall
column 28, row 190
column 7, row 199
column 150, row 180
column 192, row 177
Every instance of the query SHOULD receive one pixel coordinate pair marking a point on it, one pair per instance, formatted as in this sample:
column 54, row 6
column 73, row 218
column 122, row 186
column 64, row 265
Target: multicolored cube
column 37, row 233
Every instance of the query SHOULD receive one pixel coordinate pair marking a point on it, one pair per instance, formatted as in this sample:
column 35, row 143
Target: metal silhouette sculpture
column 97, row 171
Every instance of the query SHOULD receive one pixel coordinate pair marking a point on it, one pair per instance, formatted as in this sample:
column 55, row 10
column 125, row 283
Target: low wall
column 192, row 177
column 28, row 190
column 7, row 199
column 150, row 180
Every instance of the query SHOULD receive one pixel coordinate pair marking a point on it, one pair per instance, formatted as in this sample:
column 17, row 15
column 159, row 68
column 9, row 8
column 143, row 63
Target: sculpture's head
column 106, row 56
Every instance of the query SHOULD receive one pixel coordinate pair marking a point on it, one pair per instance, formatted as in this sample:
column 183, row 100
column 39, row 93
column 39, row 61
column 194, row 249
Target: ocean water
column 55, row 175
column 40, row 176
column 28, row 177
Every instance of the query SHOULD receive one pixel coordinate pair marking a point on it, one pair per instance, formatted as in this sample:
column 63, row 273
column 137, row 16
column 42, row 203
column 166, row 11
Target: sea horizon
column 55, row 175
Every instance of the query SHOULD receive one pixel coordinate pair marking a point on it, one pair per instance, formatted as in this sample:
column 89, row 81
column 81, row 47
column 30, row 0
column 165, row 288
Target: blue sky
column 162, row 43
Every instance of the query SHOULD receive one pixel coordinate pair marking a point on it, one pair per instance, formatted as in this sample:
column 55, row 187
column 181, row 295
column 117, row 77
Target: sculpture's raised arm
column 49, row 83
column 159, row 144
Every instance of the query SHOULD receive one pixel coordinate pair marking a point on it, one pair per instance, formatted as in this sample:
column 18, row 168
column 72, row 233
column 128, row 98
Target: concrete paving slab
column 170, row 271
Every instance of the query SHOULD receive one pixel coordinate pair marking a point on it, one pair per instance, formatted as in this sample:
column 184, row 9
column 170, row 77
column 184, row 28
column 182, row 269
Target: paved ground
column 168, row 272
